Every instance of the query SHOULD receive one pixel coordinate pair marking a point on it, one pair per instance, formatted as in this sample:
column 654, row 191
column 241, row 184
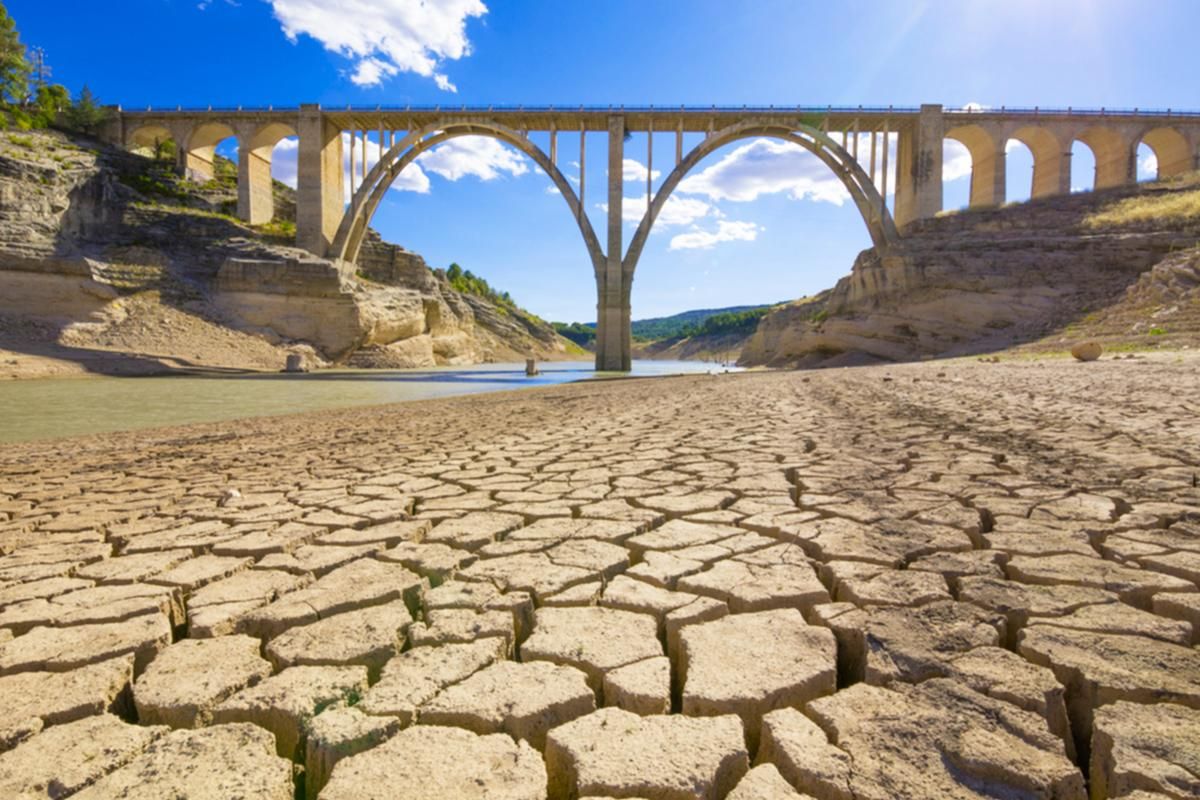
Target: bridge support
column 320, row 201
column 256, row 197
column 614, row 347
column 919, row 167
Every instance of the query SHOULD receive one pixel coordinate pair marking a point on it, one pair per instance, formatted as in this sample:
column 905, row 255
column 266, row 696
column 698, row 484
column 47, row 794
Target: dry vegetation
column 1177, row 207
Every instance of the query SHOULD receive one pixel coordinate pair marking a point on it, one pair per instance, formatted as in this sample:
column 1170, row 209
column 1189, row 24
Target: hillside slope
column 109, row 263
column 1118, row 266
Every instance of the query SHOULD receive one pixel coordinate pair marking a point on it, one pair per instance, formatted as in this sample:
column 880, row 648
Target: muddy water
column 41, row 409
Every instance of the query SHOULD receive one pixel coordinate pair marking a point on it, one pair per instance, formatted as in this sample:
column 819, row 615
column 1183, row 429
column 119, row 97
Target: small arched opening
column 1037, row 169
column 1163, row 153
column 971, row 156
column 199, row 160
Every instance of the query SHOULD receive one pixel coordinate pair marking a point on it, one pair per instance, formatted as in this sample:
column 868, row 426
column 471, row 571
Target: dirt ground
column 935, row 580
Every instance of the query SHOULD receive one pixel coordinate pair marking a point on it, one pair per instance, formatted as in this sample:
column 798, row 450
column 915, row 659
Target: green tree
column 50, row 101
column 14, row 66
column 85, row 114
column 454, row 272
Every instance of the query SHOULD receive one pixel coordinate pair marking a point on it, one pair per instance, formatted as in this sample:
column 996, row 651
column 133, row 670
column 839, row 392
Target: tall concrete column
column 989, row 177
column 919, row 167
column 320, row 201
column 613, row 337
column 256, row 201
column 1051, row 172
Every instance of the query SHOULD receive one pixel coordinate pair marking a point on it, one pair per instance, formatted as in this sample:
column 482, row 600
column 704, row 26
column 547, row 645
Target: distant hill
column 683, row 323
column 676, row 326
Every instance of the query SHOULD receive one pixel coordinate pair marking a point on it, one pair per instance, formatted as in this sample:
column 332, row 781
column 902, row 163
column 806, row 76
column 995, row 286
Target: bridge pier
column 614, row 346
column 919, row 167
column 320, row 200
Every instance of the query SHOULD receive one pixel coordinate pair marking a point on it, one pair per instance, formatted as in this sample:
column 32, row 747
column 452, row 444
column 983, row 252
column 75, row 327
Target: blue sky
column 759, row 224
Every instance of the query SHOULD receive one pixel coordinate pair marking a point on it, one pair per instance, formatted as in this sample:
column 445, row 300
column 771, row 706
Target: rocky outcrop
column 984, row 280
column 86, row 230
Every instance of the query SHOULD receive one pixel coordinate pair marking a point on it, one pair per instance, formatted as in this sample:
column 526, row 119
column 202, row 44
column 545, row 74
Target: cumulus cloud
column 480, row 156
column 975, row 107
column 767, row 166
column 676, row 211
column 635, row 170
column 726, row 231
column 385, row 37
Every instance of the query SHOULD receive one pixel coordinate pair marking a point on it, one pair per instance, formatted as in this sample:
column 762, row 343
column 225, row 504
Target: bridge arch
column 988, row 180
column 1171, row 149
column 879, row 221
column 256, row 146
column 352, row 231
column 200, row 150
column 149, row 135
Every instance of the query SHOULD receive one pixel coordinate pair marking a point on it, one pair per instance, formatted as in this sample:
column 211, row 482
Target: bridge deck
column 642, row 118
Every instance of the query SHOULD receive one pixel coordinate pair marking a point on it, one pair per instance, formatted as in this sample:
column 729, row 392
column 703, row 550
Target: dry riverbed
column 940, row 580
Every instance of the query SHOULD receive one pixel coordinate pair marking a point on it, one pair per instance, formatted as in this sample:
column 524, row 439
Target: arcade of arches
column 854, row 143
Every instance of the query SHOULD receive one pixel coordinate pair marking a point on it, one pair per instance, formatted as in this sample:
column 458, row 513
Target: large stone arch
column 1172, row 150
column 988, row 166
column 879, row 221
column 256, row 196
column 199, row 151
column 352, row 231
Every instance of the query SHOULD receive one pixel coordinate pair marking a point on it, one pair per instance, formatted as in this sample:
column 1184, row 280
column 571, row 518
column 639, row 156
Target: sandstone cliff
column 109, row 263
column 1116, row 265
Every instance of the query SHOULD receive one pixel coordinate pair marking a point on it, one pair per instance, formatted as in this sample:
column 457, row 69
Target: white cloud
column 766, row 166
column 481, row 156
column 975, row 107
column 956, row 160
column 1013, row 145
column 385, row 37
column 372, row 71
column 635, row 170
column 676, row 211
column 727, row 231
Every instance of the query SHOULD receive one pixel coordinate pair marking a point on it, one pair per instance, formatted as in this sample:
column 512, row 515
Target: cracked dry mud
column 952, row 580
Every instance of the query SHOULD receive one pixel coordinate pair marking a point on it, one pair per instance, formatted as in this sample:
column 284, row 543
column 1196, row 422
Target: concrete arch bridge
column 854, row 143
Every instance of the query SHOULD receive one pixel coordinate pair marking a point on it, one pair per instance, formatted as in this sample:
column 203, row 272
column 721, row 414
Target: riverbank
column 1016, row 542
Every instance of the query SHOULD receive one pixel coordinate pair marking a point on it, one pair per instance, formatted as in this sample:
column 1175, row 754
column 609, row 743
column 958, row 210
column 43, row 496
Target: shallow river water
column 40, row 409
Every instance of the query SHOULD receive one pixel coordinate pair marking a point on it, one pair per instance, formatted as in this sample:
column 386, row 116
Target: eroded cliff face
column 1037, row 273
column 83, row 228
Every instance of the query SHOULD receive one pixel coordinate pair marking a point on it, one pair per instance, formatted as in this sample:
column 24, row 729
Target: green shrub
column 1158, row 331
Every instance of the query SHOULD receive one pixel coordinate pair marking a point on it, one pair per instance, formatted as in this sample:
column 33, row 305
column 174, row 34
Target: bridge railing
column 681, row 109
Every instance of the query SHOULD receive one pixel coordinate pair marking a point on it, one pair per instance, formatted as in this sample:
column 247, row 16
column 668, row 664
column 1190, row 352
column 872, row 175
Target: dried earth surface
column 937, row 580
